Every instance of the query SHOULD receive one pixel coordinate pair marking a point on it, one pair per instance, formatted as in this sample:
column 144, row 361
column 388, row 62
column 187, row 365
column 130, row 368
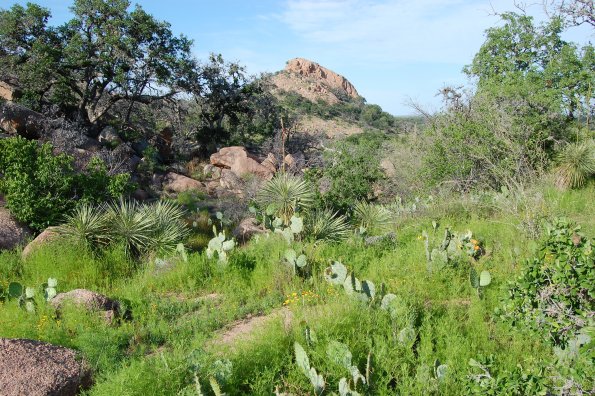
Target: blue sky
column 393, row 51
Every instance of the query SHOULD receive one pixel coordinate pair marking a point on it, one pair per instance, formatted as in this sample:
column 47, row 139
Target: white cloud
column 437, row 31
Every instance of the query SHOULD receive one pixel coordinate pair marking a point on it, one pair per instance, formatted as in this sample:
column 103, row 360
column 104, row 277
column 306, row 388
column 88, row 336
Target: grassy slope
column 172, row 331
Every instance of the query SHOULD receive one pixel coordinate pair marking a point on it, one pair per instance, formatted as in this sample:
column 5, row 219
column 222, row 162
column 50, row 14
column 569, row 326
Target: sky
column 392, row 51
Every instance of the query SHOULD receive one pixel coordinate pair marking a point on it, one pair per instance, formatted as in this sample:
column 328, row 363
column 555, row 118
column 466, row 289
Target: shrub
column 576, row 165
column 139, row 228
column 40, row 187
column 324, row 225
column 283, row 195
column 350, row 172
column 554, row 294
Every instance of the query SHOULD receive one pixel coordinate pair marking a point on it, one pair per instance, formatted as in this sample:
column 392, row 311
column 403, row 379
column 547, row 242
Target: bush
column 555, row 294
column 41, row 187
column 576, row 165
column 350, row 172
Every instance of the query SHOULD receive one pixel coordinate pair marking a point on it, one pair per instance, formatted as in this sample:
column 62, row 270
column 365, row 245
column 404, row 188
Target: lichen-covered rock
column 88, row 299
column 35, row 368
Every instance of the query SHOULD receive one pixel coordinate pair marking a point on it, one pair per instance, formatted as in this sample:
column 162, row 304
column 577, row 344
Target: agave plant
column 576, row 165
column 87, row 224
column 373, row 219
column 324, row 225
column 283, row 195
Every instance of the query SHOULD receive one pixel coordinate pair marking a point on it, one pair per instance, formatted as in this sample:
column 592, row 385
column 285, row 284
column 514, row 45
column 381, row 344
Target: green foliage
column 84, row 66
column 139, row 228
column 284, row 195
column 576, row 165
column 349, row 174
column 373, row 219
column 452, row 249
column 322, row 225
column 40, row 187
column 554, row 294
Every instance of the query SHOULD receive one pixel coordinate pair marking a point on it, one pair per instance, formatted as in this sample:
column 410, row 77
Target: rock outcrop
column 332, row 80
column 12, row 233
column 19, row 120
column 314, row 82
column 240, row 162
column 36, row 368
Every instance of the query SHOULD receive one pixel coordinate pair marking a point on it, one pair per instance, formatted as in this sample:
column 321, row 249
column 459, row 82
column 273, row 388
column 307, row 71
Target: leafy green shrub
column 576, row 165
column 40, row 187
column 554, row 294
column 350, row 172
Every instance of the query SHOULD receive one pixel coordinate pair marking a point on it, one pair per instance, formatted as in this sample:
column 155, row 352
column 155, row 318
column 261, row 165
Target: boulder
column 240, row 162
column 230, row 181
column 89, row 300
column 226, row 157
column 211, row 171
column 212, row 187
column 248, row 166
column 12, row 233
column 109, row 136
column 247, row 229
column 8, row 91
column 270, row 162
column 35, row 368
column 177, row 183
column 388, row 167
column 20, row 120
column 48, row 235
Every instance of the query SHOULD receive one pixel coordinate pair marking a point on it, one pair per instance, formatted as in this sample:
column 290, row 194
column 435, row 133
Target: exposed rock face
column 314, row 82
column 48, row 235
column 36, row 368
column 174, row 182
column 309, row 69
column 11, row 232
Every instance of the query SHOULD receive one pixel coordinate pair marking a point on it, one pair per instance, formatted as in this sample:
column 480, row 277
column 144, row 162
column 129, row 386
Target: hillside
column 324, row 102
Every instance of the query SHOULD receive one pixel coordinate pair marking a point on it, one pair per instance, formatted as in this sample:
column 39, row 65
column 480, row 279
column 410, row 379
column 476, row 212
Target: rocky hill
column 314, row 82
column 326, row 103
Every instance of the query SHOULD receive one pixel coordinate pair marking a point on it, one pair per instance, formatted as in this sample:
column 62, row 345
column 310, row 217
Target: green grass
column 174, row 329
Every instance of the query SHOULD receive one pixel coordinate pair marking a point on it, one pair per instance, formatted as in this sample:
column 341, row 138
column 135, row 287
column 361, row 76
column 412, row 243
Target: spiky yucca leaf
column 376, row 219
column 284, row 194
column 576, row 165
column 169, row 227
column 132, row 226
column 324, row 225
column 87, row 224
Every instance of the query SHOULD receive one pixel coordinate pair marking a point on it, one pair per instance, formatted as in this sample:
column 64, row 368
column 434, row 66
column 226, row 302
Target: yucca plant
column 283, row 195
column 132, row 225
column 324, row 225
column 87, row 224
column 576, row 165
column 169, row 227
column 373, row 219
